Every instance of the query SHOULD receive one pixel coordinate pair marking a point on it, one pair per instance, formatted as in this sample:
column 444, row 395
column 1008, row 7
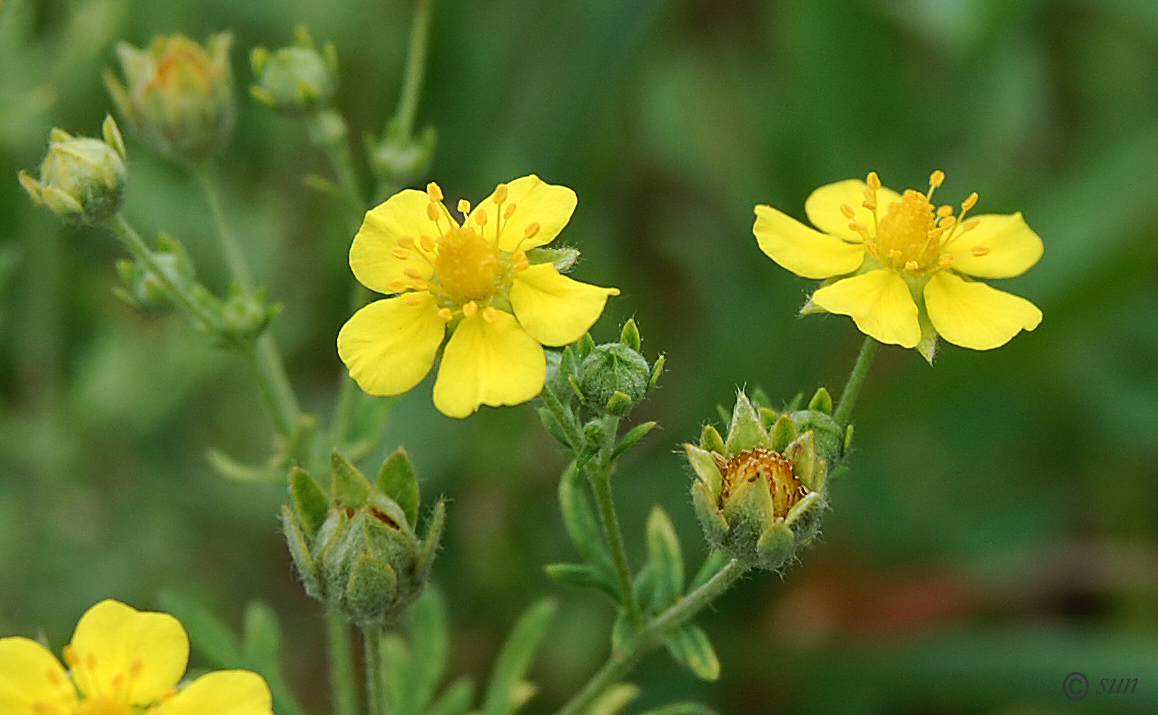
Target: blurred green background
column 998, row 528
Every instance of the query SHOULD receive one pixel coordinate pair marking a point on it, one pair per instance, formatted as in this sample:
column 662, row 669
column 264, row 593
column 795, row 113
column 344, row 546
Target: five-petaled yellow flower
column 121, row 662
column 473, row 280
column 901, row 267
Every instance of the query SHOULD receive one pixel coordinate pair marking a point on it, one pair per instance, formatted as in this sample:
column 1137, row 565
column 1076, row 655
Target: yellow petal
column 224, row 692
column 536, row 202
column 114, row 643
column 802, row 250
column 554, row 309
column 1010, row 247
column 880, row 304
column 29, row 675
column 823, row 207
column 488, row 364
column 403, row 215
column 974, row 315
column 390, row 344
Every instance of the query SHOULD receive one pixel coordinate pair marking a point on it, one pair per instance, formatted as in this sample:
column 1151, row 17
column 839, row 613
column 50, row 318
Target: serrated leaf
column 397, row 480
column 583, row 576
column 430, row 643
column 515, row 659
column 690, row 647
column 455, row 700
column 207, row 633
column 261, row 644
column 666, row 559
column 712, row 565
column 614, row 699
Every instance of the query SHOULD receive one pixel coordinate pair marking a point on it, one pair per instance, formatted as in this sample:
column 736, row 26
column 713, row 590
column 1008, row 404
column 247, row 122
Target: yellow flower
column 121, row 661
column 901, row 267
column 472, row 280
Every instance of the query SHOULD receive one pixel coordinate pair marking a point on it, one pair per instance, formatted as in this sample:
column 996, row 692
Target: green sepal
column 706, row 469
column 618, row 404
column 455, row 699
column 690, row 647
column 775, row 547
column 801, row 508
column 299, row 549
column 666, row 560
column 713, row 564
column 847, row 439
column 711, row 520
column 434, row 530
column 397, row 480
column 783, row 432
column 801, row 453
column 768, row 417
column 711, row 441
column 584, row 346
column 573, row 382
column 745, row 430
column 583, row 576
column 760, row 398
column 310, row 503
column 830, row 436
column 507, row 690
column 370, row 579
column 629, row 336
column 656, row 371
column 350, row 487
column 628, row 440
column 821, row 402
column 563, row 258
column 614, row 699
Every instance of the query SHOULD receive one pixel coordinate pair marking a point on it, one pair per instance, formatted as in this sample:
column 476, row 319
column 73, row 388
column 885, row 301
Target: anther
column 470, row 309
column 432, row 212
column 463, row 207
column 911, row 265
column 945, row 260
column 434, row 191
column 400, row 253
column 980, row 251
column 935, row 233
column 969, row 202
column 406, row 242
column 870, row 205
column 410, row 272
column 943, row 211
column 490, row 314
column 510, row 211
column 873, row 181
column 70, row 656
column 415, row 300
column 947, row 222
column 396, row 286
column 445, row 314
column 970, row 224
column 427, row 243
column 894, row 254
column 859, row 228
column 870, row 246
column 419, row 284
column 480, row 217
column 500, row 193
column 847, row 211
column 936, row 178
column 531, row 229
column 870, row 195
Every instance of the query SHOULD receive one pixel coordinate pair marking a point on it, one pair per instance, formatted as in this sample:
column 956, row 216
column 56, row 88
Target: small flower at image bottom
column 121, row 661
column 903, row 268
column 478, row 282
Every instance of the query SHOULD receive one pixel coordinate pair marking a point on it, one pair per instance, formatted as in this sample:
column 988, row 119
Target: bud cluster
column 356, row 550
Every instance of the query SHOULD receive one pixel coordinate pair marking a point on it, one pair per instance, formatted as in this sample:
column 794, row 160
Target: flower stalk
column 856, row 379
column 342, row 681
column 600, row 479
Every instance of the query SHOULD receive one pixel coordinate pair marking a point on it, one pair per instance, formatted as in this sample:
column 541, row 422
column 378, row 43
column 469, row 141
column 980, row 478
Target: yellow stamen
column 894, row 254
column 432, row 212
column 943, row 211
column 980, row 251
column 870, row 205
column 531, row 229
column 400, row 253
column 946, row 260
column 970, row 224
column 406, row 242
column 415, row 300
column 935, row 233
column 434, row 191
column 412, row 273
column 480, row 217
column 445, row 314
column 427, row 243
column 396, row 286
column 467, row 265
column 510, row 211
column 470, row 309
column 463, row 207
column 860, row 228
column 847, row 211
column 911, row 265
column 419, row 284
column 166, row 695
column 873, row 181
column 490, row 314
column 936, row 178
column 500, row 193
column 870, row 195
column 70, row 656
column 969, row 202
column 947, row 222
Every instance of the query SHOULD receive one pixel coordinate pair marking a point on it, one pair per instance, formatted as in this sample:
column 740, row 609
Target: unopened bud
column 81, row 179
column 294, row 79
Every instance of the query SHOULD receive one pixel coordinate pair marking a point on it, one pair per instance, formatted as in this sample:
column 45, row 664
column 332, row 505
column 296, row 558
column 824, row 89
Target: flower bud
column 614, row 378
column 400, row 159
column 81, row 179
column 295, row 79
column 360, row 554
column 177, row 95
column 758, row 495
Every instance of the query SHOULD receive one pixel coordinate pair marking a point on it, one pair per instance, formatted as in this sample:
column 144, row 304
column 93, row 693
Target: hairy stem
column 415, row 71
column 375, row 705
column 342, row 681
column 651, row 636
column 601, row 484
column 855, row 380
column 234, row 258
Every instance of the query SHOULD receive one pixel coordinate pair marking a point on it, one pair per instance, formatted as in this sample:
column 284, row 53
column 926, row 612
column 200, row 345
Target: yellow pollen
column 434, row 191
column 871, row 246
column 860, row 228
column 946, row 260
column 510, row 211
column 470, row 309
column 870, row 195
column 415, row 301
column 873, row 181
column 935, row 233
column 480, row 217
column 166, row 695
column 980, row 251
column 490, row 314
column 400, row 253
column 762, row 464
column 500, row 193
column 947, row 222
column 870, row 205
column 907, row 232
column 847, row 211
column 463, row 207
column 406, row 242
column 969, row 202
column 936, row 178
column 467, row 265
column 911, row 265
column 894, row 254
column 427, row 243
column 531, row 229
column 432, row 212
column 396, row 286
column 970, row 224
column 445, row 314
column 943, row 211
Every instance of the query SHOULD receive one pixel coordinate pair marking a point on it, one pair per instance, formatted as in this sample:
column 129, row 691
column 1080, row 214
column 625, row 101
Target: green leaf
column 583, row 576
column 397, row 673
column 614, row 699
column 691, row 648
column 628, row 440
column 506, row 685
column 715, row 562
column 622, row 636
column 207, row 633
column 397, row 480
column 231, row 469
column 430, row 643
column 310, row 502
column 580, row 521
column 455, row 700
column 666, row 559
column 684, row 708
column 261, row 644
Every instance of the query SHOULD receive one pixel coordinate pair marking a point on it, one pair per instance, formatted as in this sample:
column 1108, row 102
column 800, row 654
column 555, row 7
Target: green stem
column 342, row 681
column 601, row 484
column 651, row 636
column 855, row 381
column 238, row 267
column 415, row 70
column 374, row 702
column 329, row 131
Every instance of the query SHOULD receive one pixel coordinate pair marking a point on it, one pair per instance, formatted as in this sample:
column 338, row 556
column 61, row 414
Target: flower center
column 766, row 464
column 101, row 706
column 467, row 265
